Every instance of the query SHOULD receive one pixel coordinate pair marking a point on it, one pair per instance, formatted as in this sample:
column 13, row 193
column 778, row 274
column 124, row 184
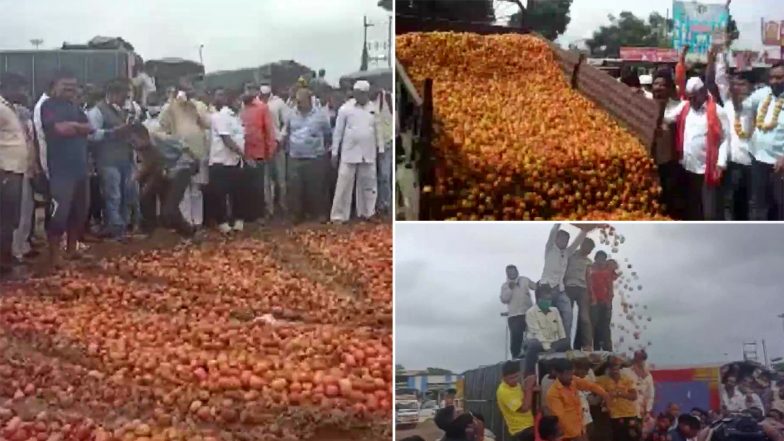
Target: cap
column 362, row 86
column 694, row 85
column 646, row 80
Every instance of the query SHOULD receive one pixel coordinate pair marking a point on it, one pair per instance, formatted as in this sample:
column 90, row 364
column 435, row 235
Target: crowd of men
column 107, row 168
column 720, row 147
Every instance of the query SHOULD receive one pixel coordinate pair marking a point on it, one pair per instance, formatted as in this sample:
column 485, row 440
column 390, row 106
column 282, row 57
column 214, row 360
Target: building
column 427, row 385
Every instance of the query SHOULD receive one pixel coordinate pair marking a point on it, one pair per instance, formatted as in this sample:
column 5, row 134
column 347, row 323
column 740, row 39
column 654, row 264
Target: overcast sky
column 588, row 15
column 708, row 289
column 235, row 33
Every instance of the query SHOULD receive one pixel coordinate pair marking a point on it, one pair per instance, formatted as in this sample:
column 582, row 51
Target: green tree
column 629, row 30
column 399, row 368
column 459, row 10
column 548, row 18
column 438, row 371
column 385, row 4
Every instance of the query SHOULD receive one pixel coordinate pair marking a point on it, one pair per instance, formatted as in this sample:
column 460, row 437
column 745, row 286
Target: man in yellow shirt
column 563, row 400
column 515, row 404
column 622, row 405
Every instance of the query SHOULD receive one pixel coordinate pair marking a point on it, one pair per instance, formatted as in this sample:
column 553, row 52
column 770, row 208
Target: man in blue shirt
column 767, row 148
column 66, row 129
column 306, row 135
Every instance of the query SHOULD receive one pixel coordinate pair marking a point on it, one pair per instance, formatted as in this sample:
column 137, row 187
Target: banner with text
column 649, row 54
column 698, row 25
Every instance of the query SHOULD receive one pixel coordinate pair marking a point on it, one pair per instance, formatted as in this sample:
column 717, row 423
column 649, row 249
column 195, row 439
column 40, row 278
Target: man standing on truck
column 188, row 119
column 577, row 292
column 113, row 155
column 66, row 129
column 622, row 406
column 355, row 147
column 600, row 278
column 516, row 402
column 556, row 257
column 563, row 399
column 15, row 162
column 516, row 295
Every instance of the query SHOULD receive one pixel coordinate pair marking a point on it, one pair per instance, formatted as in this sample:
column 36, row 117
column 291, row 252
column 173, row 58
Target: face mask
column 544, row 304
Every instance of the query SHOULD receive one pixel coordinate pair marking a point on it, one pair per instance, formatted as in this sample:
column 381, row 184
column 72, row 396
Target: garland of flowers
column 742, row 134
column 763, row 112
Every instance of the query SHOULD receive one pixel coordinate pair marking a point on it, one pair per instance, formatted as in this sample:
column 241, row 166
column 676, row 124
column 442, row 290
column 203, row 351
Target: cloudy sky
column 588, row 15
column 708, row 288
column 235, row 33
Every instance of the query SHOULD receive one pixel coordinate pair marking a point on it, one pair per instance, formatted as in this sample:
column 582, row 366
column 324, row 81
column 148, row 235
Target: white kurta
column 695, row 137
column 645, row 390
column 357, row 139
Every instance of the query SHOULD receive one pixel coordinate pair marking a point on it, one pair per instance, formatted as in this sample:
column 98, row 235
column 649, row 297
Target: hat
column 362, row 86
column 694, row 85
column 266, row 90
column 646, row 80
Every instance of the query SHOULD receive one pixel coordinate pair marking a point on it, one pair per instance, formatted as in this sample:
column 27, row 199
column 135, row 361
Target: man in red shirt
column 600, row 278
column 260, row 146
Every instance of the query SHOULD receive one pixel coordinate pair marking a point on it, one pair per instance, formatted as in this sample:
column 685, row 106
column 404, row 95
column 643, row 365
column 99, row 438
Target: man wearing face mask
column 767, row 168
column 545, row 330
column 702, row 136
column 188, row 120
column 516, row 295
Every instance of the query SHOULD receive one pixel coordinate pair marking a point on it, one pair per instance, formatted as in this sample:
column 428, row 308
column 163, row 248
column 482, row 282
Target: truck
column 281, row 75
column 406, row 412
column 415, row 161
column 100, row 60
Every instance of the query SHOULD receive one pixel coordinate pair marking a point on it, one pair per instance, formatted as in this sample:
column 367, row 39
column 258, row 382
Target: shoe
column 224, row 228
column 239, row 225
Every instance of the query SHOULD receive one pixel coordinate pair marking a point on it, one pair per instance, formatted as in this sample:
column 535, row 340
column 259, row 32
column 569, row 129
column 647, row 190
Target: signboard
column 698, row 24
column 651, row 54
column 771, row 33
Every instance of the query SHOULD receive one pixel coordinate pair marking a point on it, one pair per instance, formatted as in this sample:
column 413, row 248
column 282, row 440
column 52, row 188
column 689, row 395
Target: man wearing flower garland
column 767, row 167
column 733, row 90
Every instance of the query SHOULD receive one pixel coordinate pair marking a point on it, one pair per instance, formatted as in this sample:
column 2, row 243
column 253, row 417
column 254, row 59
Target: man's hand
column 684, row 51
column 712, row 52
column 779, row 167
column 83, row 128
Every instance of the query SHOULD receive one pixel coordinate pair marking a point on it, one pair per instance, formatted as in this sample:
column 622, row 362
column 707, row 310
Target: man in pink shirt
column 260, row 146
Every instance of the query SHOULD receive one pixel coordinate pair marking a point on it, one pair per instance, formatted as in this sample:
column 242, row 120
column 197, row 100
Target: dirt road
column 426, row 430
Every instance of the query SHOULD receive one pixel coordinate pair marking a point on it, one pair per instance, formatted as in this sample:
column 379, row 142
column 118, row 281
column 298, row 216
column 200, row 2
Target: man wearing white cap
column 355, row 145
column 275, row 168
column 701, row 142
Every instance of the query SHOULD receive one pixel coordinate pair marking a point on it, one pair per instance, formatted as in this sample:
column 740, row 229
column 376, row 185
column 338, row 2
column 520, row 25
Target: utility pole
column 781, row 316
column 365, row 56
column 389, row 43
column 765, row 353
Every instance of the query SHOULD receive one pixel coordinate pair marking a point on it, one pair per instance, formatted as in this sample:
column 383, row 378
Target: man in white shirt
column 226, row 161
column 356, row 144
column 767, row 168
column 732, row 399
column 733, row 91
column 546, row 331
column 577, row 292
column 275, row 169
column 702, row 140
column 516, row 295
column 556, row 258
column 15, row 162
